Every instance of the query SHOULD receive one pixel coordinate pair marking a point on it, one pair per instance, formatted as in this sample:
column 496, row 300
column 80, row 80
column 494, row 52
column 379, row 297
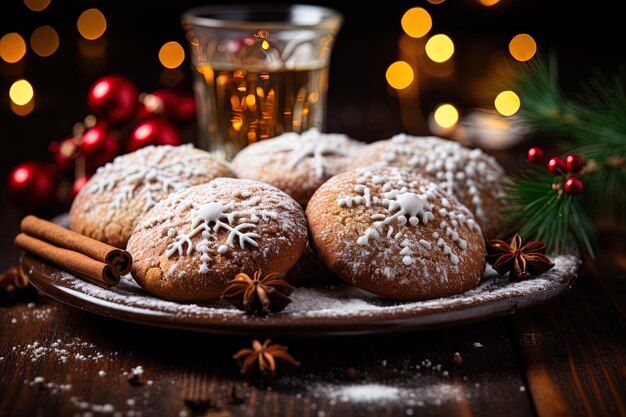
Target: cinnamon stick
column 95, row 271
column 62, row 237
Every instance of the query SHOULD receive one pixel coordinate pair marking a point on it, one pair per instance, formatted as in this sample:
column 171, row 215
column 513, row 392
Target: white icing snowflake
column 459, row 171
column 208, row 219
column 406, row 206
column 151, row 179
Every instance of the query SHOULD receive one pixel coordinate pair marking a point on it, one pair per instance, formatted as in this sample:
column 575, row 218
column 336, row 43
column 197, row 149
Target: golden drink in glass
column 259, row 71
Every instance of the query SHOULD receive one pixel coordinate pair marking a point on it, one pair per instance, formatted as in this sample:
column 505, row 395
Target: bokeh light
column 37, row 5
column 446, row 115
column 171, row 55
column 416, row 22
column 24, row 110
column 489, row 2
column 399, row 75
column 507, row 103
column 21, row 92
column 44, row 41
column 436, row 1
column 265, row 45
column 523, row 47
column 12, row 47
column 91, row 24
column 439, row 48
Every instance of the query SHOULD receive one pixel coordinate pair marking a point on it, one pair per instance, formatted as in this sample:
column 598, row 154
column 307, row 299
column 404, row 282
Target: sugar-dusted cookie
column 474, row 177
column 296, row 163
column 119, row 193
column 193, row 242
column 396, row 234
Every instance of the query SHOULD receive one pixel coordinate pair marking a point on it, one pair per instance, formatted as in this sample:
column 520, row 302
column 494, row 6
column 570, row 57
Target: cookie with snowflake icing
column 296, row 163
column 109, row 206
column 193, row 242
column 474, row 177
column 396, row 234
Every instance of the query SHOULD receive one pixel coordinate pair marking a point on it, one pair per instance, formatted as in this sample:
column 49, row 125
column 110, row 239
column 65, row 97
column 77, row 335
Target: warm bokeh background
column 585, row 36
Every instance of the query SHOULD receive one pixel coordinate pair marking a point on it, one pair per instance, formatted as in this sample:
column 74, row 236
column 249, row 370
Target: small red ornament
column 78, row 185
column 186, row 110
column 169, row 104
column 557, row 165
column 573, row 186
column 64, row 154
column 535, row 155
column 32, row 186
column 99, row 146
column 153, row 132
column 574, row 163
column 113, row 99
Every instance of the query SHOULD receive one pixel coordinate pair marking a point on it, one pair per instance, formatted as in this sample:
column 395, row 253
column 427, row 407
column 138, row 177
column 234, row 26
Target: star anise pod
column 517, row 259
column 265, row 360
column 14, row 287
column 259, row 294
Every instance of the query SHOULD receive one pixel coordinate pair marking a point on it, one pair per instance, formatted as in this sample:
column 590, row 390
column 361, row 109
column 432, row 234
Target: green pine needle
column 547, row 213
column 593, row 125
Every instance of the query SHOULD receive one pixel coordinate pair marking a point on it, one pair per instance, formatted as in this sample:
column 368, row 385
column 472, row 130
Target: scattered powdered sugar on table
column 365, row 393
column 331, row 301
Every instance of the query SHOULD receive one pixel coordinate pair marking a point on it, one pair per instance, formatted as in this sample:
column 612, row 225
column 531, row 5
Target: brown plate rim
column 45, row 277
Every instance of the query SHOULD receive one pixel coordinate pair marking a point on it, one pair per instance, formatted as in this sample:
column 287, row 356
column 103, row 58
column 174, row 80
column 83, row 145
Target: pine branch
column 593, row 125
column 547, row 213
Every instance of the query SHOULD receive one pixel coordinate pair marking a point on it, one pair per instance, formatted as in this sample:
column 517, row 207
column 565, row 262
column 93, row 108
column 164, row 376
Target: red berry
column 573, row 186
column 64, row 153
column 32, row 186
column 535, row 155
column 186, row 110
column 98, row 146
column 574, row 163
column 153, row 132
column 113, row 99
column 78, row 185
column 557, row 165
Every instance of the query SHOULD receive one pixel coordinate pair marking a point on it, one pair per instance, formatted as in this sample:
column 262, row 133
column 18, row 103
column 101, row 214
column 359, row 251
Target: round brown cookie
column 474, row 177
column 310, row 271
column 193, row 242
column 111, row 203
column 296, row 163
column 396, row 234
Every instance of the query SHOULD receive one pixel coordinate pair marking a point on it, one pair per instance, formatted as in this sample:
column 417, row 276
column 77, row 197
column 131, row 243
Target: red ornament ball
column 78, row 185
column 32, row 186
column 153, row 132
column 174, row 106
column 535, row 155
column 574, row 163
column 186, row 110
column 113, row 99
column 64, row 153
column 573, row 186
column 99, row 146
column 557, row 165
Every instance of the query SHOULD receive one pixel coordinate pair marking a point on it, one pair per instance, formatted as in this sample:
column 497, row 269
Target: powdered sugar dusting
column 149, row 173
column 469, row 174
column 340, row 301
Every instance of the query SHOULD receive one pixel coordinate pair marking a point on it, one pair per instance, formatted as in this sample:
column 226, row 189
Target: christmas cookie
column 111, row 203
column 190, row 244
column 474, row 177
column 396, row 234
column 296, row 163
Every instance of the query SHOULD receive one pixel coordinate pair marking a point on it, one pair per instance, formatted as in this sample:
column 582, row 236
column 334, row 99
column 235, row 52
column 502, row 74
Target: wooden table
column 567, row 358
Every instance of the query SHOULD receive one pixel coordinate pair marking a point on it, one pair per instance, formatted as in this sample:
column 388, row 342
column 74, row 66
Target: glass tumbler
column 259, row 71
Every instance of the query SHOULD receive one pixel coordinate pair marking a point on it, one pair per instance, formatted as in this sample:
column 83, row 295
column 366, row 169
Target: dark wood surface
column 566, row 358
